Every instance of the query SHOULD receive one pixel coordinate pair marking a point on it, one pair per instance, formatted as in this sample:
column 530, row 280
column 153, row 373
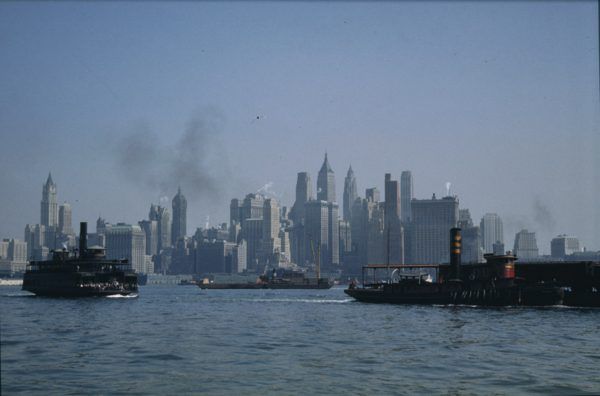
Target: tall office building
column 150, row 228
column 432, row 220
column 162, row 217
column 326, row 183
column 471, row 238
column 491, row 231
column 350, row 194
column 372, row 194
column 317, row 231
column 65, row 226
column 393, row 230
column 564, row 245
column 406, row 194
column 49, row 212
column 178, row 227
column 125, row 241
column 525, row 245
column 333, row 234
column 252, row 233
column 303, row 195
column 270, row 236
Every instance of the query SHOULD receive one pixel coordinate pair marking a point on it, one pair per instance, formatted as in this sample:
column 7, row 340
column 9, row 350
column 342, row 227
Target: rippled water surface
column 183, row 340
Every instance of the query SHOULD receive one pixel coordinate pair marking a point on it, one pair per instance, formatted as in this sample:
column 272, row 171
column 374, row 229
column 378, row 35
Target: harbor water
column 182, row 340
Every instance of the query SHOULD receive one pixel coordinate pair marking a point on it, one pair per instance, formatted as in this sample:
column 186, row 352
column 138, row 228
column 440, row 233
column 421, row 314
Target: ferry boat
column 489, row 284
column 87, row 273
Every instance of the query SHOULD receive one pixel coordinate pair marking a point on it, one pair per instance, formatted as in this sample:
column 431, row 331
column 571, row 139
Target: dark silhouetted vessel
column 87, row 273
column 489, row 284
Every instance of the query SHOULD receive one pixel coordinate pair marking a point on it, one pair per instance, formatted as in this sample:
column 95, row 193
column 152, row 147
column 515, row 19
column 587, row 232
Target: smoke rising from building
column 195, row 160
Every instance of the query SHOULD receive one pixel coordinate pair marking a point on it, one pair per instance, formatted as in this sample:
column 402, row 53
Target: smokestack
column 82, row 238
column 455, row 251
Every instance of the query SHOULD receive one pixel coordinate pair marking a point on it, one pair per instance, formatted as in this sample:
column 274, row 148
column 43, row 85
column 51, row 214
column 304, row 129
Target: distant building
column 322, row 233
column 49, row 206
column 372, row 194
column 499, row 249
column 271, row 243
column 65, row 226
column 179, row 224
column 13, row 256
column 303, row 195
column 564, row 245
column 472, row 252
column 406, row 195
column 252, row 232
column 125, row 241
column 326, row 183
column 393, row 230
column 432, row 220
column 150, row 228
column 163, row 218
column 491, row 231
column 214, row 257
column 345, row 239
column 525, row 245
column 350, row 194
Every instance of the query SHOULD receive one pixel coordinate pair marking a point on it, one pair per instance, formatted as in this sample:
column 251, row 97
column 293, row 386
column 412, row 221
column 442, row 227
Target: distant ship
column 488, row 284
column 87, row 273
column 279, row 279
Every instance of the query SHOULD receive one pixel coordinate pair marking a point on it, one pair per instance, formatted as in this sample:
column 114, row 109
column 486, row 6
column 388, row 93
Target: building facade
column 432, row 220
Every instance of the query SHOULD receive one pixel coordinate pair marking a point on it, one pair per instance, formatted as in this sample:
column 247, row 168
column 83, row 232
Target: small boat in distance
column 85, row 274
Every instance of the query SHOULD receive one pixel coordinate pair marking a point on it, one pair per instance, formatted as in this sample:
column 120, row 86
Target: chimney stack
column 455, row 252
column 82, row 238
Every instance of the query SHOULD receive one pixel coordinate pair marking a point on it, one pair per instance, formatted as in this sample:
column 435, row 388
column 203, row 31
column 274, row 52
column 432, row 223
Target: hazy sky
column 123, row 102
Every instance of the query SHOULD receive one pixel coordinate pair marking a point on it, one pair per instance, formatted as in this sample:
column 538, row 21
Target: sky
column 124, row 102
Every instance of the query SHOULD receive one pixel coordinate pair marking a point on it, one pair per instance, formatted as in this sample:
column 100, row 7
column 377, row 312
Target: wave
column 134, row 295
column 302, row 300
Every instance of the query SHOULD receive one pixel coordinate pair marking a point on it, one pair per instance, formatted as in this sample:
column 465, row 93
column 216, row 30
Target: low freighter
column 85, row 274
column 488, row 284
column 282, row 279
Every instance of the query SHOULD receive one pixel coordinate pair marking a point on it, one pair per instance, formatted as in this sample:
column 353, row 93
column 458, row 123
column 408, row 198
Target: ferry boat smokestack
column 455, row 251
column 82, row 238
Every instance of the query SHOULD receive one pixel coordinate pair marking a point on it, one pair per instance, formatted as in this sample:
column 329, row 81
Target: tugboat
column 85, row 274
column 488, row 284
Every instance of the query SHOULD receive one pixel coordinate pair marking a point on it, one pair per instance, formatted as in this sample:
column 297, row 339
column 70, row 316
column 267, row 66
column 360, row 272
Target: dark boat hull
column 61, row 284
column 449, row 294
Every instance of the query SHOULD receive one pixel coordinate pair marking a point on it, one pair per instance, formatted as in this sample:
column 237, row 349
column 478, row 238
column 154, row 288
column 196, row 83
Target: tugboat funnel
column 82, row 238
column 455, row 251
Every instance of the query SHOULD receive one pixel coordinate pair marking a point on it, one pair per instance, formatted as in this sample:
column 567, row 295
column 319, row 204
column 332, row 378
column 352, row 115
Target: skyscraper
column 432, row 220
column 270, row 236
column 406, row 194
column 178, row 228
column 317, row 231
column 129, row 242
column 491, row 231
column 564, row 245
column 471, row 238
column 49, row 212
column 326, row 183
column 350, row 194
column 525, row 245
column 393, row 231
column 162, row 217
column 64, row 219
column 303, row 195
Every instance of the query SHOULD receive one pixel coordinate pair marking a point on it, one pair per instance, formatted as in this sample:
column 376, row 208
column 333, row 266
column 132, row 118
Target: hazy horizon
column 125, row 102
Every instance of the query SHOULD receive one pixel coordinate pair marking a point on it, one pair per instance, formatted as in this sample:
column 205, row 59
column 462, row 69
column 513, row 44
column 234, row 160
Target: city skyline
column 504, row 108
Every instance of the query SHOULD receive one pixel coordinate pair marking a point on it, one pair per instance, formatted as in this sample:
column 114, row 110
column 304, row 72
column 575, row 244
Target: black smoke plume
column 194, row 159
